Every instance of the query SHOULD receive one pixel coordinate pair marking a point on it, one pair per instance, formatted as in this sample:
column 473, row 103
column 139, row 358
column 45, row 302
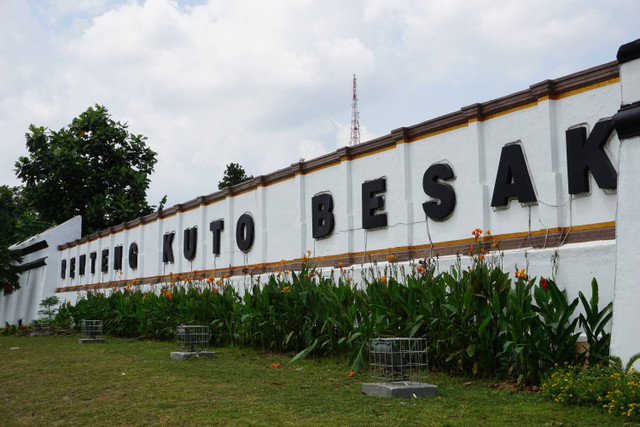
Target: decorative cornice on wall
column 627, row 121
column 553, row 89
column 629, row 51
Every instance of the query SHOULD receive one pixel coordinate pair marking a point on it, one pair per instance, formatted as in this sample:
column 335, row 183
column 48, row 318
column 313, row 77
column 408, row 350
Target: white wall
column 38, row 283
column 282, row 210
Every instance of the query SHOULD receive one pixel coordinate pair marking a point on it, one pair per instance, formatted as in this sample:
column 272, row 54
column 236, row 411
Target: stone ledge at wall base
column 92, row 341
column 403, row 389
column 185, row 355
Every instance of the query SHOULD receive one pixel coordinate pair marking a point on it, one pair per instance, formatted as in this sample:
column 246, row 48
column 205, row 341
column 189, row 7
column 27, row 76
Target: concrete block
column 92, row 341
column 402, row 389
column 184, row 355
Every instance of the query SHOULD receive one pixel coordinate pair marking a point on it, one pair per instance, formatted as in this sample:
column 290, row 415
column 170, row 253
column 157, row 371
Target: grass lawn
column 56, row 381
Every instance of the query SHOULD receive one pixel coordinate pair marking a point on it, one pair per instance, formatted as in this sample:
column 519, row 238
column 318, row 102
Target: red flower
column 275, row 365
column 543, row 283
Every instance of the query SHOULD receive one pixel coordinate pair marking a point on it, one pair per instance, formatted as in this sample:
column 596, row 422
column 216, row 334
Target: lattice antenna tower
column 355, row 116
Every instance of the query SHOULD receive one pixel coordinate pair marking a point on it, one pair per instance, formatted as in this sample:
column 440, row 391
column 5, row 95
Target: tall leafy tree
column 93, row 167
column 11, row 211
column 233, row 174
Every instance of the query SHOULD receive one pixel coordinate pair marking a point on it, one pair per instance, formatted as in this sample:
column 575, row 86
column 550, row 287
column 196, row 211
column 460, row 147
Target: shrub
column 609, row 387
column 477, row 320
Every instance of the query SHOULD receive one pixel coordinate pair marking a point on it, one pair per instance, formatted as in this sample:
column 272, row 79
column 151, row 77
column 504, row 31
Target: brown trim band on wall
column 538, row 239
column 570, row 85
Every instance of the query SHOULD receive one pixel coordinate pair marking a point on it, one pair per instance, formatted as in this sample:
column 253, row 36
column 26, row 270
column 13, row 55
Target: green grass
column 56, row 381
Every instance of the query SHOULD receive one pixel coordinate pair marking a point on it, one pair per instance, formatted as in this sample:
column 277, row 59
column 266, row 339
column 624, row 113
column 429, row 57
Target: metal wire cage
column 192, row 338
column 40, row 327
column 91, row 329
column 398, row 359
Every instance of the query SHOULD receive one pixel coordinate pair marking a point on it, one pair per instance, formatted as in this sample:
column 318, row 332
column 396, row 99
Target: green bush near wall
column 477, row 321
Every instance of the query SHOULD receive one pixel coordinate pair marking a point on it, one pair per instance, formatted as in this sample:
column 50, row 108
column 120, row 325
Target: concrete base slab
column 184, row 355
column 92, row 341
column 403, row 389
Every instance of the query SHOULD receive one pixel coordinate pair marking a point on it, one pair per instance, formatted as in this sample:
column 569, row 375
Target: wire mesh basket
column 91, row 329
column 398, row 359
column 192, row 338
column 40, row 327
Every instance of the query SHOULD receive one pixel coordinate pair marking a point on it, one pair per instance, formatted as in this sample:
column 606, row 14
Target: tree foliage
column 93, row 167
column 233, row 174
column 9, row 260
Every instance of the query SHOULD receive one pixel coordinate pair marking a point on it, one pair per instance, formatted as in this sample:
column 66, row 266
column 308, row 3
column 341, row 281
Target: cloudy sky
column 265, row 83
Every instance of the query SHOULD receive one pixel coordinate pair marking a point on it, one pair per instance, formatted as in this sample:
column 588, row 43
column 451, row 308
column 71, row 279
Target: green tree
column 234, row 174
column 93, row 167
column 9, row 260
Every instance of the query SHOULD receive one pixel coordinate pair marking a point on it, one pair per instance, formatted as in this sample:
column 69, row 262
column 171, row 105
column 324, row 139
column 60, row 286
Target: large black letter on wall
column 189, row 243
column 322, row 215
column 167, row 248
column 371, row 203
column 83, row 264
column 117, row 258
column 587, row 154
column 105, row 260
column 92, row 257
column 512, row 179
column 245, row 232
column 63, row 268
column 216, row 227
column 133, row 255
column 439, row 190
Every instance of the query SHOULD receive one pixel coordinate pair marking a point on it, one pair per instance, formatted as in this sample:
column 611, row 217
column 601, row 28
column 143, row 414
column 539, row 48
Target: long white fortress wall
column 506, row 163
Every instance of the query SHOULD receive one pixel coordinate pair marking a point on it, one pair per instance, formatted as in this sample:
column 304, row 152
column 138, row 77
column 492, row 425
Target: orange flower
column 340, row 265
column 495, row 243
column 283, row 261
column 383, row 279
column 144, row 297
column 477, row 232
column 350, row 374
column 226, row 274
column 420, row 269
column 275, row 365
